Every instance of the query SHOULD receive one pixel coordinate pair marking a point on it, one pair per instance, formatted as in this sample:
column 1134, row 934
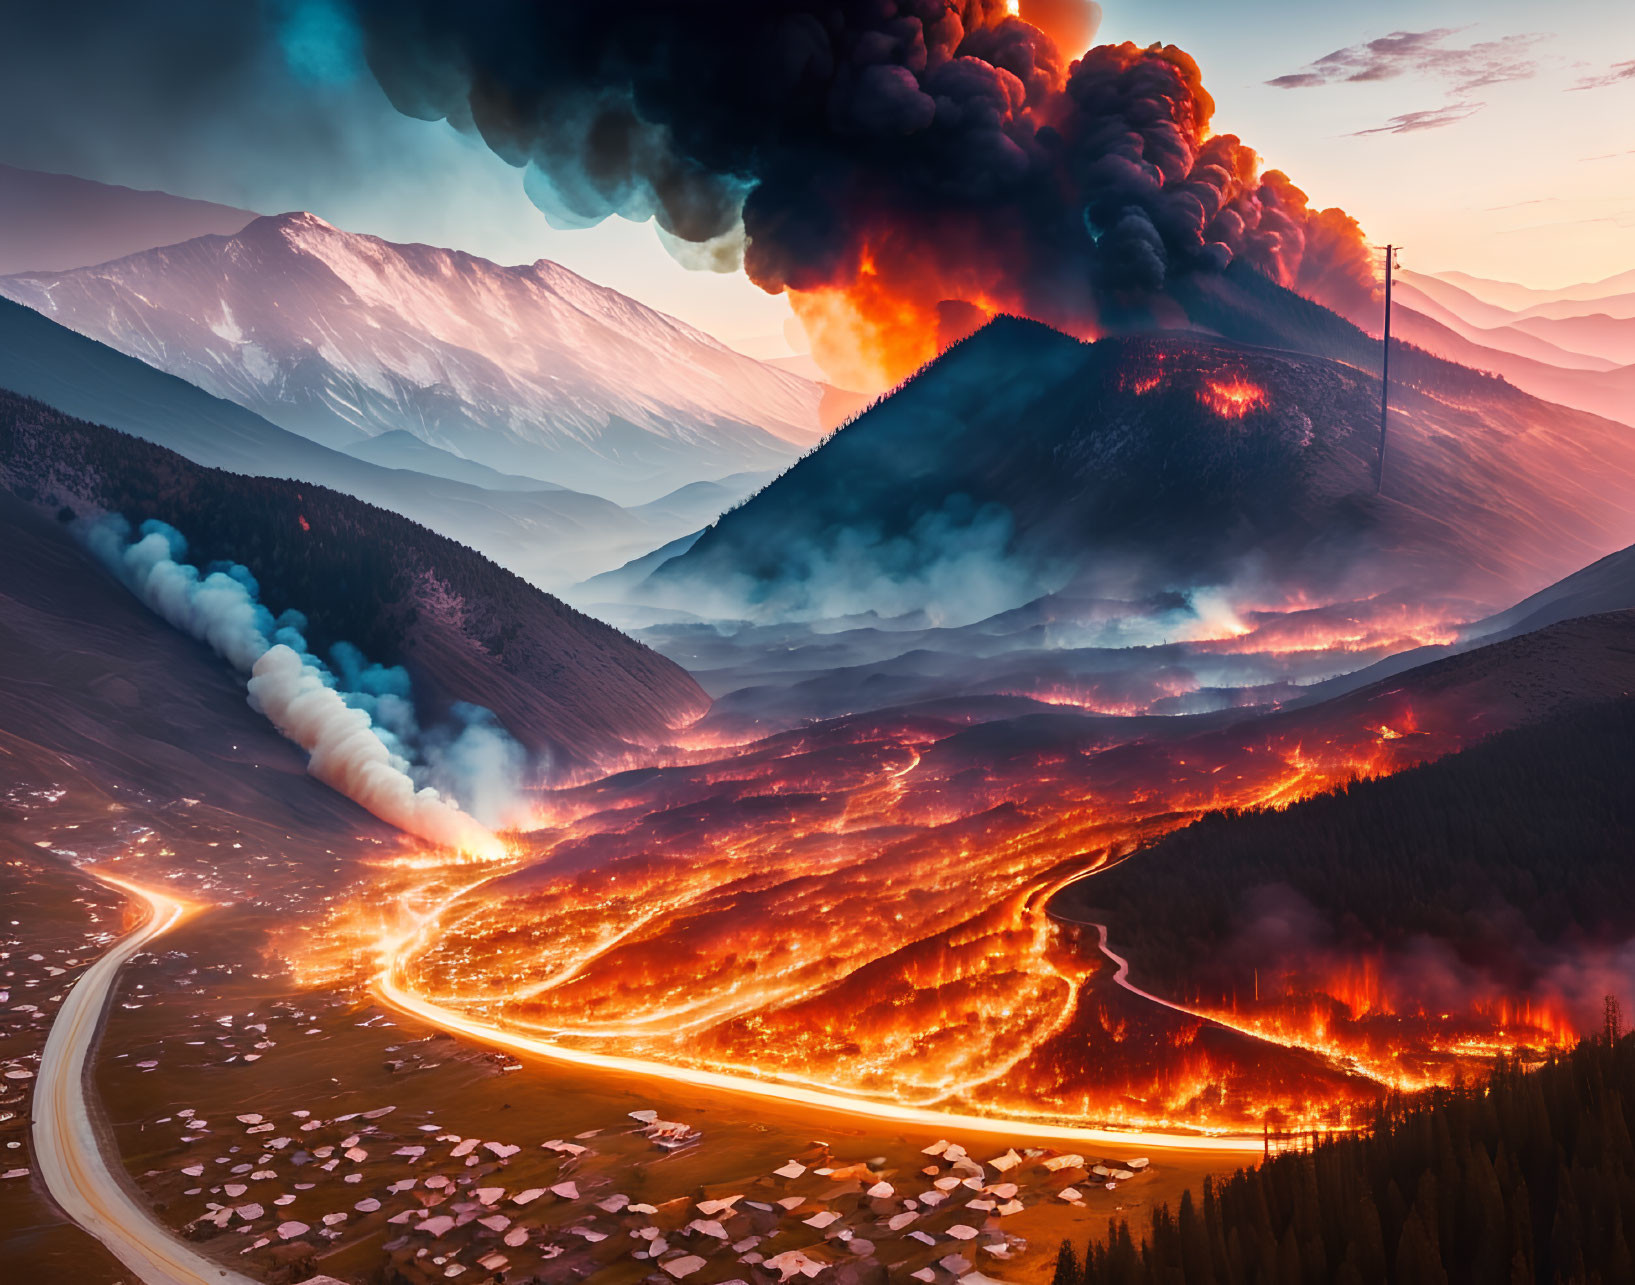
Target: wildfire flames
column 1369, row 627
column 1351, row 1016
column 1232, row 399
column 860, row 907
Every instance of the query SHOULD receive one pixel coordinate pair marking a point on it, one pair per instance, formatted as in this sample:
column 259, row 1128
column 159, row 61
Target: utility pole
column 1385, row 372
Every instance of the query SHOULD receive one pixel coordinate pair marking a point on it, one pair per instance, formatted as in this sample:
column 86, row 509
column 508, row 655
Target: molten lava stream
column 858, row 909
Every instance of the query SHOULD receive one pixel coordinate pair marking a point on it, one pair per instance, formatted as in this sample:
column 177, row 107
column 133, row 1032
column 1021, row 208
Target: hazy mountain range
column 56, row 221
column 549, row 535
column 1575, row 346
column 530, row 371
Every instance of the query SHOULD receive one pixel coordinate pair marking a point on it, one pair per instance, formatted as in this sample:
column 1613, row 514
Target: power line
column 1385, row 372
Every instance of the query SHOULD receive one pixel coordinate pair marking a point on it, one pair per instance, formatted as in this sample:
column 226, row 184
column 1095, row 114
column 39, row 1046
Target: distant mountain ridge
column 529, row 370
column 1508, row 294
column 566, row 686
column 397, row 448
column 549, row 535
column 1606, row 392
column 54, row 222
column 1022, row 457
column 1574, row 346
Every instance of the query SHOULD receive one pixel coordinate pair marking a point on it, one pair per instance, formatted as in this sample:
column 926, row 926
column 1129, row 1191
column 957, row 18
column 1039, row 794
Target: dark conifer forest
column 1529, row 1177
column 1517, row 846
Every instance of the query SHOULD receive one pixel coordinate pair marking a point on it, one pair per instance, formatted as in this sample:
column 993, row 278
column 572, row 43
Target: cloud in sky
column 1619, row 71
column 1428, row 54
column 1430, row 118
column 1464, row 68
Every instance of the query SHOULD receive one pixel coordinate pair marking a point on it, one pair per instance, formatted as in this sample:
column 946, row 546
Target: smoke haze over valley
column 814, row 640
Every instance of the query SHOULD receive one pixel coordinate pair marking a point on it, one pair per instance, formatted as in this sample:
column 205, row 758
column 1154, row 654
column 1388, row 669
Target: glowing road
column 89, row 1184
column 390, row 992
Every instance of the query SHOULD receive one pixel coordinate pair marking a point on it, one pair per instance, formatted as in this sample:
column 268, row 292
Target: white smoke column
column 298, row 694
column 482, row 766
column 348, row 756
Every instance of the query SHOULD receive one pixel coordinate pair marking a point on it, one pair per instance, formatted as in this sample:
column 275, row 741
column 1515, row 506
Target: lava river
column 861, row 906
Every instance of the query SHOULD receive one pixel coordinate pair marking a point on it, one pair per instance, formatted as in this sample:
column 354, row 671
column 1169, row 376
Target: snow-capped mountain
column 530, row 370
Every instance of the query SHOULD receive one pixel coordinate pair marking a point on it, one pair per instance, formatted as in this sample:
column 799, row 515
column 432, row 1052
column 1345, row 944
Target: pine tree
column 1417, row 1261
column 1367, row 1239
column 1290, row 1270
column 1068, row 1271
column 1197, row 1265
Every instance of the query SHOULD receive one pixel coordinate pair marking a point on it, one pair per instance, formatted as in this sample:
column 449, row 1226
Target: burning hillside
column 861, row 907
column 1023, row 461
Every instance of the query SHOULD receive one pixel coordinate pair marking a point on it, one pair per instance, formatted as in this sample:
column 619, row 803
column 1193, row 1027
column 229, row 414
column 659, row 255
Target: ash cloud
column 875, row 160
column 355, row 720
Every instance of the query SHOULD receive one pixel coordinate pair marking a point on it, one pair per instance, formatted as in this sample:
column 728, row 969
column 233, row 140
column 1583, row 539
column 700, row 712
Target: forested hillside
column 1527, row 1178
column 1523, row 839
column 1020, row 459
column 467, row 629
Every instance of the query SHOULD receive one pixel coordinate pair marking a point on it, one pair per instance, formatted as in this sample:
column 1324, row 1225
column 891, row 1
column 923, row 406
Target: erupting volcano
column 940, row 678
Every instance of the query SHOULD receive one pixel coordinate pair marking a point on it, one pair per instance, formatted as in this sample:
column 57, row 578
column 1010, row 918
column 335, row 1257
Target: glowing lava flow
column 853, row 916
column 405, row 1001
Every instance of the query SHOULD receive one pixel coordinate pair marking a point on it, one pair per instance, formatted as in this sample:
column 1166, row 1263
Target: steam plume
column 876, row 159
column 359, row 727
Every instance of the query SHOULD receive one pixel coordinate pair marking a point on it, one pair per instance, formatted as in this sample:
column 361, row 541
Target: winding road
column 85, row 1180
column 85, row 1176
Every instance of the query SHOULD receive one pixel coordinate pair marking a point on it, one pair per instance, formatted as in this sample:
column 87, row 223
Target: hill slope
column 54, row 221
column 1514, row 843
column 1022, row 459
column 92, row 675
column 528, row 532
column 530, row 370
column 565, row 685
column 1607, row 585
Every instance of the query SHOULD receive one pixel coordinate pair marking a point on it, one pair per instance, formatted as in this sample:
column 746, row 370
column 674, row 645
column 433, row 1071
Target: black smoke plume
column 874, row 158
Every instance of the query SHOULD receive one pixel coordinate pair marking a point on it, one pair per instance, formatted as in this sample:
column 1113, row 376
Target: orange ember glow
column 1232, row 399
column 859, row 909
column 1364, row 627
column 1353, row 1014
column 911, row 297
